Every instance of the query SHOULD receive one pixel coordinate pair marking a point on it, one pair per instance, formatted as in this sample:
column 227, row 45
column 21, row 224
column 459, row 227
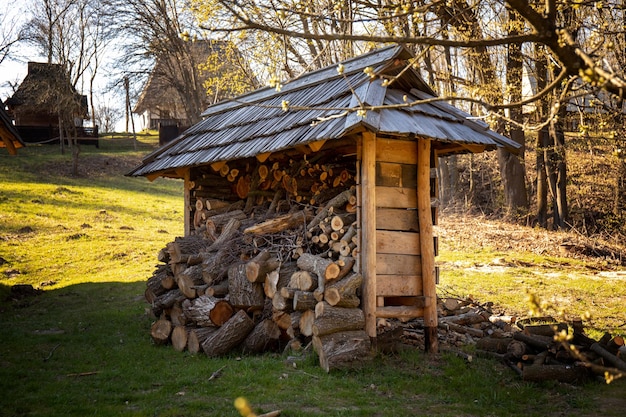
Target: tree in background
column 70, row 34
column 489, row 42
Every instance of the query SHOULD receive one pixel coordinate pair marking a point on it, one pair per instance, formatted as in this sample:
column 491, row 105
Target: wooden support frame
column 368, row 234
column 427, row 247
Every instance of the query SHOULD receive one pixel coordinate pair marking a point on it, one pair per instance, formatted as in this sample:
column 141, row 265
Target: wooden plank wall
column 398, row 259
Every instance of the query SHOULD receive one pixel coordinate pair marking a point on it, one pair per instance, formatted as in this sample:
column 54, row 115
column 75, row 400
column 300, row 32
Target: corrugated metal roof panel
column 256, row 123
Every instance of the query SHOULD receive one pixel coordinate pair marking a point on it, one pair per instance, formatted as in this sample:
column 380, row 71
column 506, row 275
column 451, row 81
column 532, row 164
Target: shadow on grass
column 85, row 349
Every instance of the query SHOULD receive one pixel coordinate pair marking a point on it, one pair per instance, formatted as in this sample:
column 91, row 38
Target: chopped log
column 562, row 373
column 176, row 315
column 257, row 270
column 179, row 338
column 243, row 186
column 154, row 283
column 281, row 303
column 337, row 222
column 229, row 230
column 324, row 268
column 215, row 267
column 188, row 279
column 461, row 329
column 230, row 335
column 160, row 331
column 493, row 344
column 282, row 319
column 263, row 172
column 614, row 344
column 303, row 300
column 344, row 289
column 279, row 224
column 467, row 318
column 343, row 350
column 187, row 245
column 220, row 219
column 263, row 337
column 167, row 300
column 217, row 290
column 196, row 337
column 307, row 318
column 608, row 356
column 516, row 349
column 288, row 292
column 208, row 311
column 269, row 286
column 548, row 330
column 336, row 202
column 303, row 280
column 329, row 319
column 243, row 293
column 536, row 341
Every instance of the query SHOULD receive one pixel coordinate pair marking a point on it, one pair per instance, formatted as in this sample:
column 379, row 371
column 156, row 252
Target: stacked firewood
column 259, row 277
column 538, row 348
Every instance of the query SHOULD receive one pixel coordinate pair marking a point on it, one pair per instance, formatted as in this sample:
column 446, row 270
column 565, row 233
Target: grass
column 82, row 347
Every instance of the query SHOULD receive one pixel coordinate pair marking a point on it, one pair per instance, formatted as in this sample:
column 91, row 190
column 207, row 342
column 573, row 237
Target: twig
column 217, row 373
column 46, row 359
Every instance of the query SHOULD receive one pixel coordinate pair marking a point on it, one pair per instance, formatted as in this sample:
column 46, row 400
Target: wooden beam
column 368, row 235
column 262, row 157
column 426, row 245
column 187, row 202
column 154, row 176
column 316, row 146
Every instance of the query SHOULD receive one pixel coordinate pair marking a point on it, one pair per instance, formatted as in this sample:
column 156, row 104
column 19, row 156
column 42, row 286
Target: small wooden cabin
column 327, row 133
column 9, row 136
column 34, row 105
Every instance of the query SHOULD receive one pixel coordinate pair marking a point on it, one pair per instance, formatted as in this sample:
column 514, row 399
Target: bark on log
column 343, row 290
column 187, row 245
column 303, row 300
column 562, row 373
column 208, row 311
column 230, row 335
column 217, row 290
column 243, row 293
column 324, row 268
column 336, row 202
column 228, row 232
column 160, row 331
column 188, row 279
column 279, row 224
column 257, row 270
column 263, row 337
column 608, row 356
column 343, row 350
column 493, row 344
column 329, row 319
column 167, row 300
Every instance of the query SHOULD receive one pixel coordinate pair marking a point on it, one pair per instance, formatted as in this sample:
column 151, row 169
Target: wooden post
column 426, row 245
column 368, row 235
column 187, row 202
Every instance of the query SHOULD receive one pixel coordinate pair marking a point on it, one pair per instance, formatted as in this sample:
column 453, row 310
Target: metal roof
column 322, row 105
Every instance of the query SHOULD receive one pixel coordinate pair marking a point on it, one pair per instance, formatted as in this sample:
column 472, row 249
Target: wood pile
column 538, row 349
column 265, row 270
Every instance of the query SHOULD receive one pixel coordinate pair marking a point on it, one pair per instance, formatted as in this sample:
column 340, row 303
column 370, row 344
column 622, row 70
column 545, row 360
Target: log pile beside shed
column 277, row 264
